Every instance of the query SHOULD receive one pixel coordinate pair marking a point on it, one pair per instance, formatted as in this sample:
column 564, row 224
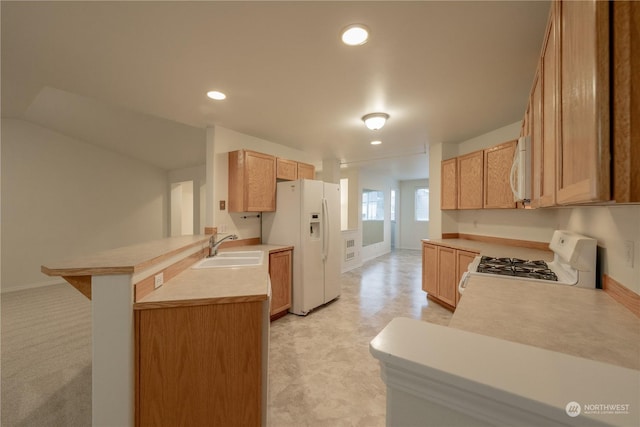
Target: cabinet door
column 550, row 114
column 430, row 269
column 199, row 365
column 286, row 169
column 463, row 259
column 470, row 174
column 260, row 174
column 449, row 184
column 447, row 275
column 280, row 275
column 626, row 101
column 583, row 164
column 306, row 171
column 536, row 141
column 497, row 166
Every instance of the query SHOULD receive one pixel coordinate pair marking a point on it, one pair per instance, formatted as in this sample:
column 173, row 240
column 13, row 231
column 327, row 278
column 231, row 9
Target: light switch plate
column 158, row 280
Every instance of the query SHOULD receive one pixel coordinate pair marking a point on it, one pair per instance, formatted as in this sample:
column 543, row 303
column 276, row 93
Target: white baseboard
column 25, row 286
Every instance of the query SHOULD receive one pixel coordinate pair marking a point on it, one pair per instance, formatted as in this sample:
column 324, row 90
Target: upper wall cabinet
column 479, row 180
column 286, row 169
column 497, row 166
column 470, row 180
column 583, row 164
column 449, row 193
column 626, row 101
column 584, row 110
column 306, row 171
column 545, row 118
column 291, row 170
column 252, row 182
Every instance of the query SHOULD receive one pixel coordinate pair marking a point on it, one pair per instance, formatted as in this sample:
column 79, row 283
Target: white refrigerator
column 307, row 217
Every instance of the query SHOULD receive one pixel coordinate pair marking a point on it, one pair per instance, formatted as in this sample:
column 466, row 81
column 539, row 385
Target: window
column 422, row 204
column 372, row 205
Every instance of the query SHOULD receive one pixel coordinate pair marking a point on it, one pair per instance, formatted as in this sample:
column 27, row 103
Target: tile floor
column 320, row 370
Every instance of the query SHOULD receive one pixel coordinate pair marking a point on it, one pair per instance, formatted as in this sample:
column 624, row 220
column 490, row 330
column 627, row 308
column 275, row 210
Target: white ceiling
column 133, row 76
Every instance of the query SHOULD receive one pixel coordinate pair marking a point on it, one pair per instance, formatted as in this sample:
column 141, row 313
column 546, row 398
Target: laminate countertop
column 128, row 259
column 586, row 323
column 215, row 285
column 494, row 249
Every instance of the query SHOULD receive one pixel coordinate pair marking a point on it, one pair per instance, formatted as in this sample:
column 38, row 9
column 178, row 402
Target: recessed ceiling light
column 376, row 142
column 355, row 35
column 218, row 96
column 375, row 121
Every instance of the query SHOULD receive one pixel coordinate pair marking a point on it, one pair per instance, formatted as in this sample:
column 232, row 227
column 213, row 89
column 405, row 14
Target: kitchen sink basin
column 240, row 254
column 228, row 259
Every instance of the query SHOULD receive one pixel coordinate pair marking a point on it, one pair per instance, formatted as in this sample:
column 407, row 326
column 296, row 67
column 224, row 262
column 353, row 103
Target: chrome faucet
column 213, row 245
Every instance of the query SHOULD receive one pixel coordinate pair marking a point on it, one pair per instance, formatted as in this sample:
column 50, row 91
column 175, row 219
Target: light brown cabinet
column 199, row 365
column 290, row 170
column 583, row 166
column 306, row 171
column 280, row 273
column 449, row 177
column 479, row 180
column 286, row 169
column 252, row 182
column 442, row 269
column 625, row 95
column 497, row 166
column 546, row 97
column 430, row 269
column 470, row 180
column 578, row 103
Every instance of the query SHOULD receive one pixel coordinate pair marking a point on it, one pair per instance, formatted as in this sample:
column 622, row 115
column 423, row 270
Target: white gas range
column 574, row 264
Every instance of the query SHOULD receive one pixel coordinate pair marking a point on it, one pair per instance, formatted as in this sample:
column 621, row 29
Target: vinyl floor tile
column 320, row 370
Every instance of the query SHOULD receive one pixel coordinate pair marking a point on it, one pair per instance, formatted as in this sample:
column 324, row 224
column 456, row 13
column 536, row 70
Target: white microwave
column 520, row 177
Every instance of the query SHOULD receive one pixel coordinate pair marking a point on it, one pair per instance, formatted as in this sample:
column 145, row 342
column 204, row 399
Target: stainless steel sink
column 231, row 259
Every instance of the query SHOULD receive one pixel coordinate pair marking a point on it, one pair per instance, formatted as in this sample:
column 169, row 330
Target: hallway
column 320, row 370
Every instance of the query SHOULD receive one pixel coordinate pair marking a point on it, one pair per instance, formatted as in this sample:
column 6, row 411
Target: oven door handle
column 463, row 282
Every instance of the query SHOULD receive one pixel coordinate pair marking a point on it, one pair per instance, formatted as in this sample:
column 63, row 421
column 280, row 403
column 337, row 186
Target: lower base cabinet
column 200, row 365
column 442, row 269
column 280, row 274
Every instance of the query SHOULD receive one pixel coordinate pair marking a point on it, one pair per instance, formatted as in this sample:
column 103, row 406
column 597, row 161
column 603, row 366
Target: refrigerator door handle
column 325, row 230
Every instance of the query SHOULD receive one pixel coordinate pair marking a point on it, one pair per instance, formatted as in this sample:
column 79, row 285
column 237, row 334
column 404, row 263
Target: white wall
column 411, row 231
column 197, row 175
column 611, row 225
column 62, row 198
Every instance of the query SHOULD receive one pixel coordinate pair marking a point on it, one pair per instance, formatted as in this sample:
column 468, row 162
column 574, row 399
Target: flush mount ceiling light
column 218, row 96
column 375, row 121
column 376, row 142
column 355, row 35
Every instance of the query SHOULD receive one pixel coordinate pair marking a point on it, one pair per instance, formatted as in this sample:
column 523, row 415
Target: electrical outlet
column 628, row 253
column 158, row 280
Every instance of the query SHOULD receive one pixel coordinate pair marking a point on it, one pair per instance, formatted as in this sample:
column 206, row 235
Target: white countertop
column 581, row 322
column 462, row 367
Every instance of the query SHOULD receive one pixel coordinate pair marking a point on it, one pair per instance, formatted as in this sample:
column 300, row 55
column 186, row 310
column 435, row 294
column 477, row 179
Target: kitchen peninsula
column 515, row 353
column 151, row 310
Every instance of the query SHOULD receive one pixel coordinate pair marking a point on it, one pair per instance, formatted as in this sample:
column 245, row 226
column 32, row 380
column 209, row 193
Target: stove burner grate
column 536, row 269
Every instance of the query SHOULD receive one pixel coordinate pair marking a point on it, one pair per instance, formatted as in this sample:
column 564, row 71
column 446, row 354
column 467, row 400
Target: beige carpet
column 46, row 357
column 320, row 373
